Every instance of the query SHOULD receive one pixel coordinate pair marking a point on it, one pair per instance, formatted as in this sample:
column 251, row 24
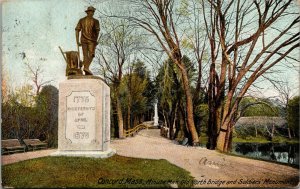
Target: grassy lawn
column 203, row 139
column 259, row 139
column 81, row 172
column 251, row 139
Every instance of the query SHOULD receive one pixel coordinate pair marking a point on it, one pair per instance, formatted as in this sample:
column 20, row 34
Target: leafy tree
column 202, row 112
column 132, row 88
column 25, row 95
column 258, row 107
column 18, row 113
column 18, row 121
column 171, row 97
column 4, row 85
column 38, row 121
column 47, row 110
column 293, row 115
column 11, row 115
column 150, row 91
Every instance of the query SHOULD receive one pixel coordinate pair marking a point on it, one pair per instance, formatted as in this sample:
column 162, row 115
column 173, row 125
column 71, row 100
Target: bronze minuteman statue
column 89, row 29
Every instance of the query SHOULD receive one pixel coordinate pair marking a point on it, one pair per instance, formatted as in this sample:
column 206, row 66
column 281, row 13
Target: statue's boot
column 87, row 65
column 87, row 71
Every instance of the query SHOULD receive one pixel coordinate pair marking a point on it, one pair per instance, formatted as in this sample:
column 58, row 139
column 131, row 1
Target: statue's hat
column 90, row 9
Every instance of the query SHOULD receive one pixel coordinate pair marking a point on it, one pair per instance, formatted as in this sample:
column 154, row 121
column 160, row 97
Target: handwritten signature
column 204, row 161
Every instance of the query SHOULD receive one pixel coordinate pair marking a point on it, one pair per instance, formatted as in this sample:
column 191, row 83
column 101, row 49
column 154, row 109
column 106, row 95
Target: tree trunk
column 178, row 126
column 289, row 133
column 189, row 109
column 212, row 128
column 272, row 132
column 172, row 125
column 135, row 120
column 226, row 123
column 213, row 103
column 222, row 141
column 182, row 122
column 227, row 139
column 142, row 118
column 255, row 131
column 172, row 121
column 120, row 118
column 128, row 116
column 171, row 130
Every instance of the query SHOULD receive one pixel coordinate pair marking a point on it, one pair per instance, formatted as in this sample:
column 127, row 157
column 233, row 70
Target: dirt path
column 13, row 158
column 212, row 168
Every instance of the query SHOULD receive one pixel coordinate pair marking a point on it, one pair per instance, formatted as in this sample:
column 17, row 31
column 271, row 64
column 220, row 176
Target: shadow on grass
column 80, row 172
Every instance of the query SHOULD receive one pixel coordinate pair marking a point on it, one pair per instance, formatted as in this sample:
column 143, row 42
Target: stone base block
column 84, row 118
column 94, row 154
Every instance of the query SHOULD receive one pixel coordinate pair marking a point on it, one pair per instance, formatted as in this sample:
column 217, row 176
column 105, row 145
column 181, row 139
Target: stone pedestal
column 84, row 118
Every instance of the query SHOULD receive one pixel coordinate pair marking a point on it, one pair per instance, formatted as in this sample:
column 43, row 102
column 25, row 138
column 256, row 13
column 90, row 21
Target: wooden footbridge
column 136, row 129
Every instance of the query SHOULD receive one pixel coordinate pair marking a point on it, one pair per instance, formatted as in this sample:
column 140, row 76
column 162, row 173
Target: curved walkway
column 214, row 169
column 209, row 168
column 13, row 158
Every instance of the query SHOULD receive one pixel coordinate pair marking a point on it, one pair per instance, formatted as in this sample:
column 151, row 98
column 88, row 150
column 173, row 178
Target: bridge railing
column 135, row 130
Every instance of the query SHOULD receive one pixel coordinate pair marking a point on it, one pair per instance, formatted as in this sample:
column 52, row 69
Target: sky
column 32, row 30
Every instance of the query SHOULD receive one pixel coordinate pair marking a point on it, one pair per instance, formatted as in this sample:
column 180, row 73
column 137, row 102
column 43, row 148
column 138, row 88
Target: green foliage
column 169, row 82
column 149, row 91
column 245, row 131
column 133, row 86
column 171, row 88
column 25, row 95
column 47, row 105
column 263, row 110
column 293, row 115
column 258, row 139
column 80, row 172
column 136, row 94
column 183, row 8
column 187, row 44
column 171, row 96
column 39, row 121
column 257, row 128
column 140, row 69
column 202, row 113
column 170, row 91
column 258, row 107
